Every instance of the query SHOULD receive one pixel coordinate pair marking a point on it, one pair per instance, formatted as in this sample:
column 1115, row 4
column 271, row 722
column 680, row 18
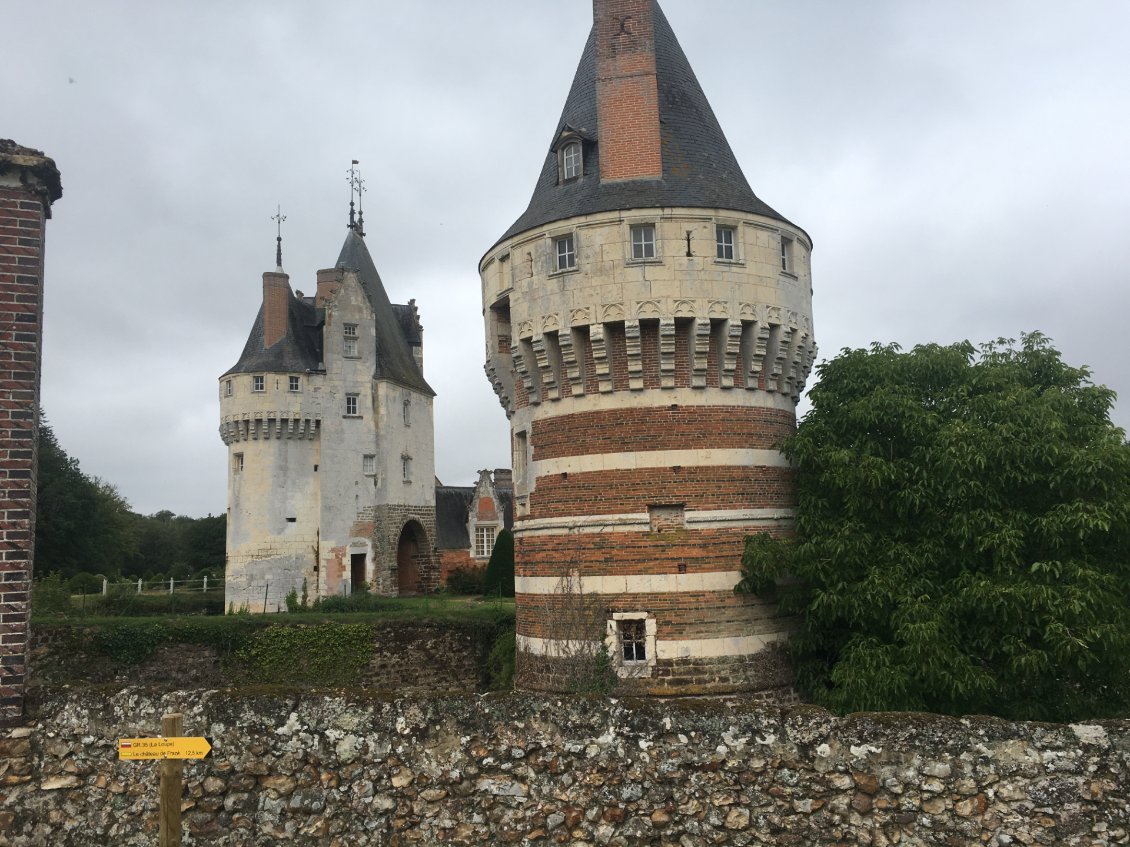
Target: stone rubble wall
column 338, row 769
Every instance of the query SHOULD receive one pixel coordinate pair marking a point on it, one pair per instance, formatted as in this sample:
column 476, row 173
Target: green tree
column 499, row 578
column 963, row 535
column 82, row 523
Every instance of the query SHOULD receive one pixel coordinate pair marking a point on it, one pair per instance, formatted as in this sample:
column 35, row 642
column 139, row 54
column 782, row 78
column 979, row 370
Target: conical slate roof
column 301, row 348
column 699, row 168
column 394, row 357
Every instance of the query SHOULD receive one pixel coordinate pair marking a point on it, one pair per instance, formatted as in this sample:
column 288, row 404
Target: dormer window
column 571, row 161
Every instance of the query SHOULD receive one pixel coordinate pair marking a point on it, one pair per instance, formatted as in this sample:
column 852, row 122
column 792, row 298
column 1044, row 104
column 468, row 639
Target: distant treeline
column 84, row 525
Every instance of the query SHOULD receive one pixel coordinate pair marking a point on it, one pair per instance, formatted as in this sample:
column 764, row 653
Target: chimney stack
column 329, row 280
column 276, row 307
column 627, row 93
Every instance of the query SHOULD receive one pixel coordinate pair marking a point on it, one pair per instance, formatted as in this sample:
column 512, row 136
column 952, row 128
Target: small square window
column 643, row 241
column 566, row 253
column 724, row 240
column 484, row 541
column 351, row 405
column 349, row 340
column 786, row 254
column 237, row 462
column 406, row 468
column 369, row 465
column 295, row 383
column 257, row 384
column 633, row 640
column 227, row 388
column 570, row 161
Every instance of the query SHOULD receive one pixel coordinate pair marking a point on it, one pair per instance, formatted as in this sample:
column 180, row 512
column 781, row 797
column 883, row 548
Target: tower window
column 369, row 465
column 257, row 383
column 227, row 388
column 633, row 640
column 570, row 161
column 643, row 241
column 566, row 253
column 484, row 541
column 406, row 468
column 786, row 254
column 351, row 405
column 349, row 340
column 295, row 383
column 408, row 411
column 237, row 462
column 724, row 241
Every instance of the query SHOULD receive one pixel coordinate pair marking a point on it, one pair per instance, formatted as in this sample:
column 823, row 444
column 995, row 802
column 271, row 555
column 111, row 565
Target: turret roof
column 301, row 348
column 394, row 356
column 699, row 168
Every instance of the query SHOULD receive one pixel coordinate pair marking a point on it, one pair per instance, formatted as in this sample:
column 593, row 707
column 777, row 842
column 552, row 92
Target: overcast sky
column 963, row 169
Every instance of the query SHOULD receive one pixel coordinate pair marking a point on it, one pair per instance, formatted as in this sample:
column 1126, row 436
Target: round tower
column 270, row 421
column 648, row 325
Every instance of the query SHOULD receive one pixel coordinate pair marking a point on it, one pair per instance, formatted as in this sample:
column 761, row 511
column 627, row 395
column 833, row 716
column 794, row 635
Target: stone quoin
column 648, row 332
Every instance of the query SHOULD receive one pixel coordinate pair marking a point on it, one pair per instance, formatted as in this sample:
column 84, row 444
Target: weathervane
column 356, row 188
column 278, row 218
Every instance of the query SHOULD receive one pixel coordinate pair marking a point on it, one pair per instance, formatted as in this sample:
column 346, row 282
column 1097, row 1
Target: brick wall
column 661, row 428
column 29, row 183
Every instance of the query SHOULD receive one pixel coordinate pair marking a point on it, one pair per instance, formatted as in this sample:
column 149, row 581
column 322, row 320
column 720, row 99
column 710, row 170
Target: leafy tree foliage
column 963, row 535
column 84, row 525
column 499, row 579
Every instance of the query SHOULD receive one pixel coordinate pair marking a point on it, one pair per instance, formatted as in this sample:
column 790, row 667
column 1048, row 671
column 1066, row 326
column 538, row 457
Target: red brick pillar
column 29, row 184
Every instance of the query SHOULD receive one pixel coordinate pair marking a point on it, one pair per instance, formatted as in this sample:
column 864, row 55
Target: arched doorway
column 412, row 539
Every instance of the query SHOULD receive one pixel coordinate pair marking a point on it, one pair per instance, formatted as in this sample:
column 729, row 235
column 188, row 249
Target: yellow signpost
column 197, row 747
column 169, row 748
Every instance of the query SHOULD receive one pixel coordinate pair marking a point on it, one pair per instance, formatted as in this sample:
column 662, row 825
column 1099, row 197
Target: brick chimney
column 276, row 307
column 329, row 280
column 627, row 94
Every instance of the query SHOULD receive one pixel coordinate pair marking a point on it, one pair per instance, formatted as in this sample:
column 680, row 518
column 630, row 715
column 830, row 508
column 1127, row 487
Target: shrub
column 500, row 662
column 466, row 580
column 50, row 596
column 499, row 579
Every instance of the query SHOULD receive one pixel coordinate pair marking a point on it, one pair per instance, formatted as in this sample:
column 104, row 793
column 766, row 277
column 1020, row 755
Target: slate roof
column 394, row 356
column 301, row 348
column 699, row 168
column 452, row 505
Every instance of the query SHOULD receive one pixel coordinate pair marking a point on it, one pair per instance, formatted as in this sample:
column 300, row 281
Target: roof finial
column 278, row 218
column 360, row 211
column 352, row 178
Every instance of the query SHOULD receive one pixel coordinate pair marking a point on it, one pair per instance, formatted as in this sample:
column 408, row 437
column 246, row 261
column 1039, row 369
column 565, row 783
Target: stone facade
column 649, row 339
column 29, row 184
column 329, row 428
column 305, row 769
